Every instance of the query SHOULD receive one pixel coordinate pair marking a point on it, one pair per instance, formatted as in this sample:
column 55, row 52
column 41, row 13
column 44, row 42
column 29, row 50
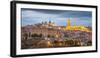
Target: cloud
column 60, row 17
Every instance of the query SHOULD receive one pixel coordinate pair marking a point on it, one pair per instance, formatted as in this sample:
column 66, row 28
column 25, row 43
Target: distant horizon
column 60, row 17
column 56, row 25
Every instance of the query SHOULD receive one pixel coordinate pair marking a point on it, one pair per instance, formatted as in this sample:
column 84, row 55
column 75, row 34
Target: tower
column 68, row 25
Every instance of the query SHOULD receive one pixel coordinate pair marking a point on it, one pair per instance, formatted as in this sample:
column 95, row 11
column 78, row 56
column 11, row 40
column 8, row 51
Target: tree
column 26, row 35
column 48, row 36
column 40, row 35
column 34, row 35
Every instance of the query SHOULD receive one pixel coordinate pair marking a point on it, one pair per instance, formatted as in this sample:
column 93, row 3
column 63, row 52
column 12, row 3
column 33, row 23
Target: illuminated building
column 68, row 25
column 48, row 24
column 81, row 28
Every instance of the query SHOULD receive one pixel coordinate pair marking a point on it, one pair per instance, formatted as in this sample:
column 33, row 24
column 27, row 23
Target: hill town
column 50, row 35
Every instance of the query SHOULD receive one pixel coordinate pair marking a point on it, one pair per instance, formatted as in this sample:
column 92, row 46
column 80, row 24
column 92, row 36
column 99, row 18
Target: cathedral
column 80, row 28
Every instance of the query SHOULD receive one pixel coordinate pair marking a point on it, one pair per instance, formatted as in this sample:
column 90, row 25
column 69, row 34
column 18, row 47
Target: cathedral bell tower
column 68, row 25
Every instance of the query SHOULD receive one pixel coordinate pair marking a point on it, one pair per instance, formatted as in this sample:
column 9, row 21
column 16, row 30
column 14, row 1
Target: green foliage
column 36, row 35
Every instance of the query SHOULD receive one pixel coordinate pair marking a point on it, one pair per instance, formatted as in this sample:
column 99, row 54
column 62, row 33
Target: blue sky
column 60, row 17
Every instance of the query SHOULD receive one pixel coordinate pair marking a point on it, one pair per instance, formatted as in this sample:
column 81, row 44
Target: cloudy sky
column 60, row 17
